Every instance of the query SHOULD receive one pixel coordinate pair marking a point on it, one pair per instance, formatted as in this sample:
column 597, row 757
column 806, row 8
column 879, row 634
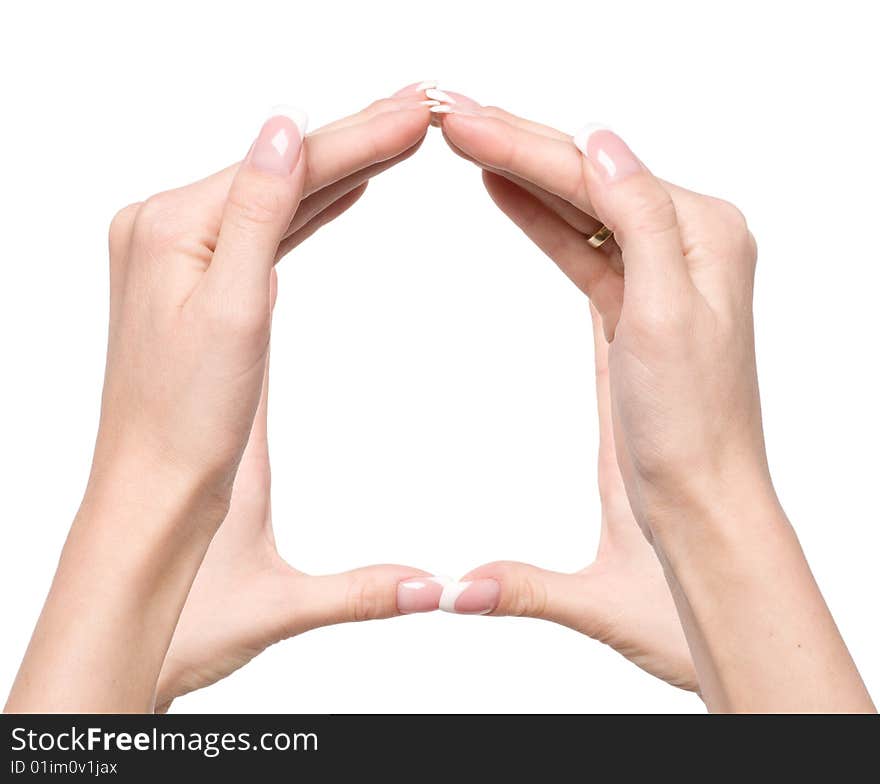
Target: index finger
column 551, row 163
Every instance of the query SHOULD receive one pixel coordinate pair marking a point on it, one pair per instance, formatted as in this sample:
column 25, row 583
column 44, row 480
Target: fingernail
column 279, row 143
column 419, row 594
column 415, row 88
column 470, row 597
column 452, row 103
column 613, row 159
column 439, row 95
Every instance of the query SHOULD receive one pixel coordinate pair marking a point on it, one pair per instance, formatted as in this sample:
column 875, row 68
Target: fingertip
column 479, row 597
column 418, row 594
column 278, row 146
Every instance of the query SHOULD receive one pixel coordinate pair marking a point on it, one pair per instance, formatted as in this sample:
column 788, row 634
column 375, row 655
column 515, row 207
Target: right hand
column 189, row 281
column 190, row 315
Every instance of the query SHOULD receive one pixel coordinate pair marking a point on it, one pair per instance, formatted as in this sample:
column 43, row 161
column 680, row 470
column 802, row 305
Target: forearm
column 760, row 633
column 124, row 574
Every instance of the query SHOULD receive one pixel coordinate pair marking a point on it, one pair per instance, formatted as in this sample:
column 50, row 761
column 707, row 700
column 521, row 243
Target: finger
column 639, row 209
column 550, row 163
column 587, row 267
column 344, row 151
column 252, row 480
column 380, row 106
column 261, row 202
column 576, row 218
column 364, row 594
column 259, row 430
column 416, row 88
column 324, row 217
column 526, row 590
column 603, row 386
column 336, row 152
column 508, row 117
column 320, row 200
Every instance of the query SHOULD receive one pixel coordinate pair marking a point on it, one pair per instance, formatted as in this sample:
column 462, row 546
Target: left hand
column 621, row 599
column 674, row 292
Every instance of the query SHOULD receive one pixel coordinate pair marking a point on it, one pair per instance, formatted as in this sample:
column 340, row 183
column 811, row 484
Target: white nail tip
column 429, row 103
column 442, row 108
column 296, row 115
column 583, row 135
column 439, row 95
column 429, row 85
column 451, row 592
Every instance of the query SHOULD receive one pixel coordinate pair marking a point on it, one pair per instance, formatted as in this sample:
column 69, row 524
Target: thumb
column 633, row 203
column 365, row 594
column 261, row 202
column 532, row 592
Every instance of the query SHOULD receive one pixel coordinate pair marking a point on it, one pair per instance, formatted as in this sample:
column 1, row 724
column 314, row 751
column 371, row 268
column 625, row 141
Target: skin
column 691, row 583
column 621, row 599
column 246, row 597
column 191, row 292
column 674, row 295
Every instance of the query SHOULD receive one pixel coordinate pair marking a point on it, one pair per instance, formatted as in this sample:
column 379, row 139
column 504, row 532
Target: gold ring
column 598, row 238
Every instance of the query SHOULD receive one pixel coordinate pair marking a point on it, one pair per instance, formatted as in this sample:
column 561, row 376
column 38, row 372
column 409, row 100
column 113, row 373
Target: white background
column 432, row 392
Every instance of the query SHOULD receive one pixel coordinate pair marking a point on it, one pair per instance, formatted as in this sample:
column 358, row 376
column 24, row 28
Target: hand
column 246, row 597
column 622, row 598
column 190, row 280
column 674, row 293
column 682, row 337
column 189, row 322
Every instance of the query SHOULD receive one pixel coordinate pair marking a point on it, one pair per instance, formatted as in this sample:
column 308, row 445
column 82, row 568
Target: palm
column 622, row 598
column 246, row 597
column 636, row 615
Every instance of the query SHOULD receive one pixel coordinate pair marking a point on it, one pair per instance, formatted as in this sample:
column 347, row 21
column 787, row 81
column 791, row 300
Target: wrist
column 127, row 566
column 132, row 487
column 710, row 508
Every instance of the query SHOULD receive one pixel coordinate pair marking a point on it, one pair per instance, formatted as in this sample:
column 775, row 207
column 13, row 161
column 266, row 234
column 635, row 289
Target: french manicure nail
column 414, row 88
column 468, row 597
column 294, row 113
column 419, row 594
column 605, row 148
column 279, row 143
column 465, row 597
column 439, row 95
column 473, row 597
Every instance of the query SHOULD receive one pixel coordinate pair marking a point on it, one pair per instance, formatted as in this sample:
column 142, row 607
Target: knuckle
column 257, row 202
column 121, row 224
column 752, row 247
column 157, row 222
column 730, row 215
column 735, row 228
column 381, row 105
column 651, row 208
column 530, row 597
column 366, row 600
